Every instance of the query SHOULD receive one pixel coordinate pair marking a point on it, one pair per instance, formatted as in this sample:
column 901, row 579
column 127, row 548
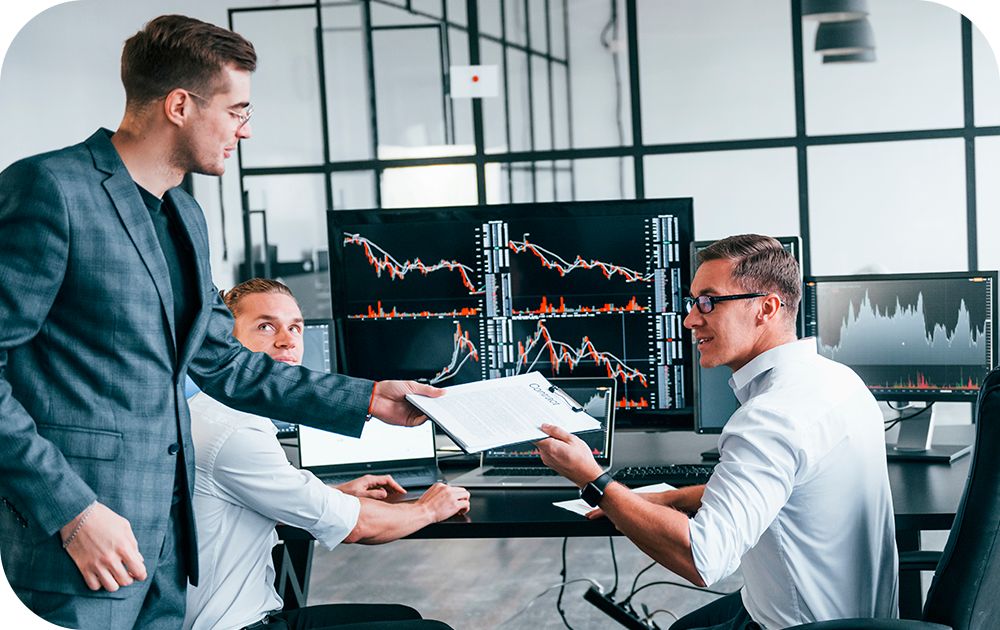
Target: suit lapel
column 135, row 217
column 190, row 218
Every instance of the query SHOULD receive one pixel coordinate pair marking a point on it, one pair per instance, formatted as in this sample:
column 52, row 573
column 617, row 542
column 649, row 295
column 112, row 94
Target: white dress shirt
column 800, row 498
column 243, row 486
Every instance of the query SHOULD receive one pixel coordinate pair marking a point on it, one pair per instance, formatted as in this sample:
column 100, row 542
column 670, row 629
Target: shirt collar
column 763, row 362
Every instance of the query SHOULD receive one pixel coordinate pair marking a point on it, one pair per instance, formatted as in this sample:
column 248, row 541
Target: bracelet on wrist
column 79, row 525
column 371, row 402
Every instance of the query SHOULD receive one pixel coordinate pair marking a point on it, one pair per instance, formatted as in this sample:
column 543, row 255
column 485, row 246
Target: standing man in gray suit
column 106, row 304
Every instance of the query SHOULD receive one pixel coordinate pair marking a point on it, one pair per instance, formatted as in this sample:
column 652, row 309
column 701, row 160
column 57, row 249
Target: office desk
column 925, row 497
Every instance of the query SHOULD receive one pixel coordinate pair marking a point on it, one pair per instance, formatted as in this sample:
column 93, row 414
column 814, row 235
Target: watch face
column 591, row 494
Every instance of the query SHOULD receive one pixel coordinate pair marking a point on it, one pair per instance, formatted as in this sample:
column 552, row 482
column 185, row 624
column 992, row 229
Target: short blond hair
column 233, row 296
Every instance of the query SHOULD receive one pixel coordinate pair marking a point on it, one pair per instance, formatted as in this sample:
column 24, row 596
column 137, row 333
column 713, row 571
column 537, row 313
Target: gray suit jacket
column 91, row 386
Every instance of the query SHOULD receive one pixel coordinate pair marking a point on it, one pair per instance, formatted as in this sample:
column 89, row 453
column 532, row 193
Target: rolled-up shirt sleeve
column 751, row 483
column 252, row 469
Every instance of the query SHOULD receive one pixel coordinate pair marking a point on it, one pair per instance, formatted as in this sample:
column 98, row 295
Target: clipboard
column 499, row 412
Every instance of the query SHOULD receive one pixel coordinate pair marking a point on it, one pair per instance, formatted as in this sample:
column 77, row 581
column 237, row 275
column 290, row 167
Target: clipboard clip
column 575, row 406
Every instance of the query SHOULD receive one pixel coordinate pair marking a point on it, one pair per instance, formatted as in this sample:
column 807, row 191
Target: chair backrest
column 965, row 593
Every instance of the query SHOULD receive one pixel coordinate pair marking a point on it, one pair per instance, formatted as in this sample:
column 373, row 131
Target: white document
column 494, row 413
column 581, row 507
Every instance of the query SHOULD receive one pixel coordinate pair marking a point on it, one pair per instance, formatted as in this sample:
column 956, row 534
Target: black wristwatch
column 593, row 492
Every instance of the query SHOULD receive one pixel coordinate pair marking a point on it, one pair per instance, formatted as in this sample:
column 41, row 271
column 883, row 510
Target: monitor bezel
column 361, row 468
column 628, row 419
column 929, row 396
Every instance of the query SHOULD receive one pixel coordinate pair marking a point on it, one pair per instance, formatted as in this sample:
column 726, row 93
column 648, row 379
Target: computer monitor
column 585, row 289
column 714, row 401
column 910, row 337
column 317, row 339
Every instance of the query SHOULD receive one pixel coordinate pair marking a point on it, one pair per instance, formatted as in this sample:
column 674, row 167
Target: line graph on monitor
column 542, row 347
column 384, row 262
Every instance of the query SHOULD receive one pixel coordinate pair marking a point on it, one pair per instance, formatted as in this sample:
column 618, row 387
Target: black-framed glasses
column 243, row 117
column 706, row 303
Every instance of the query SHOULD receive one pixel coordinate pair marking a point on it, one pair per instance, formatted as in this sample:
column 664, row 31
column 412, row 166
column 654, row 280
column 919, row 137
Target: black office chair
column 965, row 593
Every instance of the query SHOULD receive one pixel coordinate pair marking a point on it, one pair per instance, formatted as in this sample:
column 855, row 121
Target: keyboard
column 518, row 471
column 674, row 474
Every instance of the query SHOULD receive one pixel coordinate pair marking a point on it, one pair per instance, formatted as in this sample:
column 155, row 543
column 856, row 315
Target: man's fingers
column 557, row 432
column 133, row 560
column 90, row 579
column 377, row 493
column 426, row 390
column 593, row 514
column 107, row 581
column 416, row 421
column 393, row 486
column 136, row 568
column 119, row 574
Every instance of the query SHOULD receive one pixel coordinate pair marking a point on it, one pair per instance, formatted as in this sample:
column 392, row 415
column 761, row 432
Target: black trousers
column 352, row 617
column 725, row 613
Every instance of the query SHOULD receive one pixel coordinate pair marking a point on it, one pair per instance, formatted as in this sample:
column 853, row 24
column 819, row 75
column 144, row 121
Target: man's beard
column 185, row 158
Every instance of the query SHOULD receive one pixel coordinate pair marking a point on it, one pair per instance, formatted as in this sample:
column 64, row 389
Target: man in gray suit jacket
column 106, row 304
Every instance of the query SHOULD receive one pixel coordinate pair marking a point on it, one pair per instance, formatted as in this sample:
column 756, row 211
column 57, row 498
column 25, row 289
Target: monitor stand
column 914, row 442
column 711, row 455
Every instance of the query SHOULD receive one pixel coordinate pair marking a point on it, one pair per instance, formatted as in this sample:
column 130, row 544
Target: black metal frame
column 636, row 149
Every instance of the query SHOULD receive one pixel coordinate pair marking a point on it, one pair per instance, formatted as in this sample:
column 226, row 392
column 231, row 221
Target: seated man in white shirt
column 244, row 485
column 800, row 498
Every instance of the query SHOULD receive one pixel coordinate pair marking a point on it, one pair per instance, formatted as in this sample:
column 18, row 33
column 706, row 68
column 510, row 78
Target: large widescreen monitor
column 910, row 337
column 914, row 337
column 455, row 295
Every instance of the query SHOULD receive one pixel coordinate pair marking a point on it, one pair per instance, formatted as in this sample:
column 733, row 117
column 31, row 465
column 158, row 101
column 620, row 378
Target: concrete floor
column 494, row 583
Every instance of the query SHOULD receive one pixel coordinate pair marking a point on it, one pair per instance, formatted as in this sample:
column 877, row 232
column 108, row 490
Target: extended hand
column 390, row 405
column 445, row 501
column 372, row 487
column 105, row 550
column 568, row 455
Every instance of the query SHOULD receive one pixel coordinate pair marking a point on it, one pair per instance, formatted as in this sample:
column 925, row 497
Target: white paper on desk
column 581, row 507
column 497, row 412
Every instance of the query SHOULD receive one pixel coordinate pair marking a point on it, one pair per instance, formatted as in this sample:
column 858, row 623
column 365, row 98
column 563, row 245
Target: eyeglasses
column 706, row 303
column 243, row 116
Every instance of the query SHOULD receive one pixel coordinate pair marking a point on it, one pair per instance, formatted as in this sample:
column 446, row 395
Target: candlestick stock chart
column 454, row 295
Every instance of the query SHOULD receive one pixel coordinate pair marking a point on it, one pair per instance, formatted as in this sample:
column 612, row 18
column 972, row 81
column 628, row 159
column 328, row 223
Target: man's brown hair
column 760, row 265
column 233, row 296
column 175, row 51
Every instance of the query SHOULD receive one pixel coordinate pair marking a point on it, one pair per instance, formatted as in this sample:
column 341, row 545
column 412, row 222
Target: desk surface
column 925, row 496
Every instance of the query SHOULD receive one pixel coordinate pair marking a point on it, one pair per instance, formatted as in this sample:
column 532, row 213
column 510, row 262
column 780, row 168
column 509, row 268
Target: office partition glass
column 287, row 120
column 915, row 82
column 760, row 194
column 987, row 80
column 888, row 207
column 718, row 70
